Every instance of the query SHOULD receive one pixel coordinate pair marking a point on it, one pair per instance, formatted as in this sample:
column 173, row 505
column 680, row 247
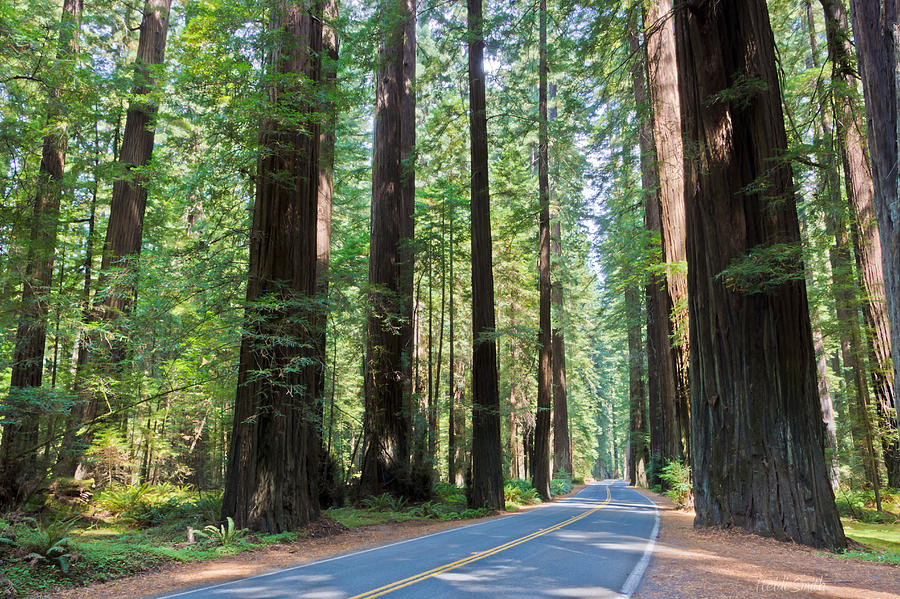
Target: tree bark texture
column 662, row 77
column 757, row 441
column 540, row 476
column 329, row 64
column 877, row 40
column 487, row 459
column 562, row 445
column 273, row 465
column 861, row 194
column 638, row 449
column 18, row 459
column 388, row 377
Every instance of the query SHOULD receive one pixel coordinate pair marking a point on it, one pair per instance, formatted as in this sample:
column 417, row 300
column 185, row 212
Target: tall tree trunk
column 454, row 455
column 860, row 193
column 670, row 311
column 272, row 479
column 329, row 64
column 562, row 447
column 487, row 459
column 639, row 452
column 18, row 457
column 757, row 456
column 126, row 219
column 388, row 380
column 434, row 421
column 540, row 476
column 877, row 40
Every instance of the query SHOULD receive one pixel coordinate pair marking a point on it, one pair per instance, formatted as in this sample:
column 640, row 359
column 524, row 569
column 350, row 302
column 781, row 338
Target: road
column 596, row 543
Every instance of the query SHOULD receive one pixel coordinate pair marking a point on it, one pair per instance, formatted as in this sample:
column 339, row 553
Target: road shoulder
column 705, row 562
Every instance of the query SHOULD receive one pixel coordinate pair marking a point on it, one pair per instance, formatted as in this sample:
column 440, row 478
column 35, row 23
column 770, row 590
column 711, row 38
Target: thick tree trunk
column 757, row 446
column 540, row 476
column 388, row 392
column 861, row 193
column 670, row 311
column 126, row 220
column 487, row 460
column 877, row 40
column 273, row 465
column 18, row 457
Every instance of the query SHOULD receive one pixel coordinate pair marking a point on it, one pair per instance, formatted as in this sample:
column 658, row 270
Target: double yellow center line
column 389, row 588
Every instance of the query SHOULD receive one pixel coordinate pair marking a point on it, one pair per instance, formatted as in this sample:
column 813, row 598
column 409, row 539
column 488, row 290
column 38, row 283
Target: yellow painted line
column 389, row 588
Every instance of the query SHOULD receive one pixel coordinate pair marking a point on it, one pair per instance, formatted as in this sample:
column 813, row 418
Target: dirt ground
column 714, row 563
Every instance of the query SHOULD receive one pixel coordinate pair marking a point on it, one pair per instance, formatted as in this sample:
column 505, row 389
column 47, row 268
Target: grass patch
column 353, row 517
column 880, row 536
column 881, row 541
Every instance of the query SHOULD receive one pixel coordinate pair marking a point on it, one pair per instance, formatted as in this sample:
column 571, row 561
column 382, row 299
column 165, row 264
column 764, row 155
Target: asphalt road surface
column 594, row 544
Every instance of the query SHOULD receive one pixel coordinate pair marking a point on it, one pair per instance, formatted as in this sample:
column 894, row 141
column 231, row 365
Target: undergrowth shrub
column 677, row 476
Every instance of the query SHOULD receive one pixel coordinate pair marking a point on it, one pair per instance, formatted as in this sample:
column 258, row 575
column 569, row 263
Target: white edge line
column 634, row 579
column 332, row 559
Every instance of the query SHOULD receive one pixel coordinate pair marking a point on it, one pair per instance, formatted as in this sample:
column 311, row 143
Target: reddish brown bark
column 861, row 193
column 388, row 377
column 877, row 40
column 757, row 457
column 540, row 476
column 672, row 336
column 486, row 489
column 273, row 465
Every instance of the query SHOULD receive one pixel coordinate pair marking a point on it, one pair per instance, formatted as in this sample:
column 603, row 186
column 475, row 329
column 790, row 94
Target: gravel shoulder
column 700, row 563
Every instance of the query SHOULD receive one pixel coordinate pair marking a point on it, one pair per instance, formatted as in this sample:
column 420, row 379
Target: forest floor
column 716, row 563
column 323, row 539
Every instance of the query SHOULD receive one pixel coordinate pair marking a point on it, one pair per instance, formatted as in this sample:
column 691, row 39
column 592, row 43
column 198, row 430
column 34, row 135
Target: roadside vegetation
column 124, row 530
column 877, row 534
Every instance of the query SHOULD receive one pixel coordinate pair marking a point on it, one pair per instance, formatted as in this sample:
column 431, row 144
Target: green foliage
column 764, row 269
column 385, row 503
column 560, row 486
column 43, row 542
column 520, row 492
column 226, row 534
column 859, row 505
column 677, row 476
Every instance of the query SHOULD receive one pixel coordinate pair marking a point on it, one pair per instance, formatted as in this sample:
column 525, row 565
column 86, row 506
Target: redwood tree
column 273, row 465
column 540, row 474
column 867, row 246
column 388, row 374
column 757, row 450
column 876, row 28
column 486, row 489
column 669, row 309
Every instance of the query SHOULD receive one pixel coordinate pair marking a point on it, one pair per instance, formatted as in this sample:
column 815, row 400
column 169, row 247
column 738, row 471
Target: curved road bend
column 596, row 543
